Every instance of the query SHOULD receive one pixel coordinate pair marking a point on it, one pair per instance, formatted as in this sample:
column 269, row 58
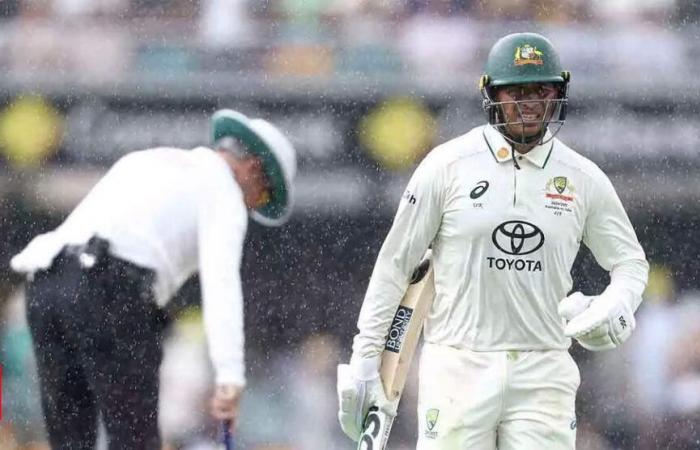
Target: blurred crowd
column 286, row 11
column 97, row 40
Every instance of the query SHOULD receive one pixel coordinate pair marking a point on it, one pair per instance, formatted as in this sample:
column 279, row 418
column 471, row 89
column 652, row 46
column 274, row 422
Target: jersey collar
column 502, row 151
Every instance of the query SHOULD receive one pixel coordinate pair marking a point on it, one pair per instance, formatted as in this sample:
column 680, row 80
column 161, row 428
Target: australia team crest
column 560, row 194
column 560, row 188
column 560, row 184
column 527, row 54
column 431, row 418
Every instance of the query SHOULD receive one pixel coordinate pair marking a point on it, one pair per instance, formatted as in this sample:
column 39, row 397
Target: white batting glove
column 359, row 388
column 599, row 322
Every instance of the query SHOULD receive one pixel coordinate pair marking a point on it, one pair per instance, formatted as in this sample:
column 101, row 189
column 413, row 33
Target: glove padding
column 600, row 322
column 359, row 388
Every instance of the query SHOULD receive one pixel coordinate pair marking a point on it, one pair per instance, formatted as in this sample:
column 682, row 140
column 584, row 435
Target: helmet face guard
column 524, row 59
column 553, row 116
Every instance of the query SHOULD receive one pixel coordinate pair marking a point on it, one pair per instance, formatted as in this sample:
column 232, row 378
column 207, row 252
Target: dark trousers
column 97, row 335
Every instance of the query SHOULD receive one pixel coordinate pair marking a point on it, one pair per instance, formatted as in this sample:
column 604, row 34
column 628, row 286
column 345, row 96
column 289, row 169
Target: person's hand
column 359, row 388
column 600, row 322
column 224, row 403
column 38, row 255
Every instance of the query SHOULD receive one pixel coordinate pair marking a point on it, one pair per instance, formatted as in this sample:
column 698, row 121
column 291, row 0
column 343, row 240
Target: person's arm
column 607, row 320
column 609, row 235
column 414, row 228
column 222, row 227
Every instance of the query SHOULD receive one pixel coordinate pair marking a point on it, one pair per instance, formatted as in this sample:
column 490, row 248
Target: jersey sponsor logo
column 529, row 265
column 479, row 189
column 517, row 237
column 398, row 329
column 409, row 197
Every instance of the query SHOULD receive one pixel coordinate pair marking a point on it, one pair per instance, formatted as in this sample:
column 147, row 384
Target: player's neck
column 524, row 148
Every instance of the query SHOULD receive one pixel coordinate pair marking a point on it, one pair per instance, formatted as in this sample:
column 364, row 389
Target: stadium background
column 363, row 88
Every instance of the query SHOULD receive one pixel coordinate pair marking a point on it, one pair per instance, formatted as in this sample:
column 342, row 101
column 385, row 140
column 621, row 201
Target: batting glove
column 599, row 322
column 359, row 388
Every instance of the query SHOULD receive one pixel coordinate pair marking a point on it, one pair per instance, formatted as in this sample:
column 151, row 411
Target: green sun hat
column 278, row 157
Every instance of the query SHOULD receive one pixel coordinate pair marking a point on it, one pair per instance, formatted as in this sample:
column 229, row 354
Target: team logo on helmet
column 527, row 54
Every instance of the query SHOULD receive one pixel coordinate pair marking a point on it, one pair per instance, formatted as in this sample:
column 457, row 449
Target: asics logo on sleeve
column 479, row 189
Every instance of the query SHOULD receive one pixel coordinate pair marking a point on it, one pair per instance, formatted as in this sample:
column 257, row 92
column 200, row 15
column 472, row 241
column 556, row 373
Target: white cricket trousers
column 506, row 400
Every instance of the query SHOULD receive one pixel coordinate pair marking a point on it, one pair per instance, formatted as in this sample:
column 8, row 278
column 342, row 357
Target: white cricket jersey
column 504, row 235
column 177, row 212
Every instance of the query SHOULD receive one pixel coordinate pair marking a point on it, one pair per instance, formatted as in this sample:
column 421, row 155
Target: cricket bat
column 400, row 345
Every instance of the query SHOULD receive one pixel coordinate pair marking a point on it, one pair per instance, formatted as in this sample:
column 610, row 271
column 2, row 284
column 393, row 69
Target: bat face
column 404, row 333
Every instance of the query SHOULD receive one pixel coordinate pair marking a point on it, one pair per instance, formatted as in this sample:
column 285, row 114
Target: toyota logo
column 516, row 237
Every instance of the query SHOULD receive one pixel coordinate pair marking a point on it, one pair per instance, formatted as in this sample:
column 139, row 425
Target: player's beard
column 530, row 124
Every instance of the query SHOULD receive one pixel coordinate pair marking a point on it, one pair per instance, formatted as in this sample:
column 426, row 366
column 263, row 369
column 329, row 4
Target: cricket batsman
column 505, row 208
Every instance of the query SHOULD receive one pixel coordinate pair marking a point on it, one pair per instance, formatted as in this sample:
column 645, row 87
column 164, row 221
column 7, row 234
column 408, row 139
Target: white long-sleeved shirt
column 176, row 212
column 504, row 235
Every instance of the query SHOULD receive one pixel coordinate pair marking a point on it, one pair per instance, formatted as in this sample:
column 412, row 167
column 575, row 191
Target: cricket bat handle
column 377, row 427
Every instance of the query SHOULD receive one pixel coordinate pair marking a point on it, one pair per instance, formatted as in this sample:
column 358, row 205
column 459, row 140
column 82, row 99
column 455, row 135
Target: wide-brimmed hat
column 262, row 139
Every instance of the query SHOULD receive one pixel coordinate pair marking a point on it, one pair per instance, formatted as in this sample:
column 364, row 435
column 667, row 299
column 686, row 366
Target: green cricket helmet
column 524, row 58
column 265, row 141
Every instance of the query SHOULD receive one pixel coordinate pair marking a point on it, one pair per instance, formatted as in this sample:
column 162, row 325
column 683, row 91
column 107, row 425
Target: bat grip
column 226, row 435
